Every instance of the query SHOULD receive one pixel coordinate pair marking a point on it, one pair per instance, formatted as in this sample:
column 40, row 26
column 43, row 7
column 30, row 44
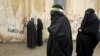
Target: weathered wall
column 75, row 11
column 97, row 6
column 14, row 14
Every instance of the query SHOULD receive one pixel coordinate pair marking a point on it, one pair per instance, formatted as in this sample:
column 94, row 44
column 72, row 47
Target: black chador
column 31, row 34
column 87, row 34
column 99, row 32
column 39, row 32
column 60, row 38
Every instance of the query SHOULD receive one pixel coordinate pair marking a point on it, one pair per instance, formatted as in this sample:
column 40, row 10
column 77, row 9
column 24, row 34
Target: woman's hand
column 79, row 30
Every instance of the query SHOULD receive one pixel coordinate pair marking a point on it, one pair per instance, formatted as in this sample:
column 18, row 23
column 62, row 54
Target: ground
column 20, row 49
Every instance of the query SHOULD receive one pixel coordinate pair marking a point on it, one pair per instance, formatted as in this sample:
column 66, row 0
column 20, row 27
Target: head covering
column 57, row 7
column 32, row 18
column 90, row 10
column 89, row 16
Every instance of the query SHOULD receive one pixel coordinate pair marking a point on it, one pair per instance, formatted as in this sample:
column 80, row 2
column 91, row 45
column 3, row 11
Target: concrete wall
column 15, row 13
column 75, row 11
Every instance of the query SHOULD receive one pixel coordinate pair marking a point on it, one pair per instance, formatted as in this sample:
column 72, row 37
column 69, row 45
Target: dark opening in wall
column 61, row 2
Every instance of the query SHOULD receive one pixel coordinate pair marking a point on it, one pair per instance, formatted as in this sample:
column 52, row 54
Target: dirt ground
column 20, row 49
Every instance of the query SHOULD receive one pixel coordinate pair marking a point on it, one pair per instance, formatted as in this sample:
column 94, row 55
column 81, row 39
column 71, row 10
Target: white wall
column 14, row 13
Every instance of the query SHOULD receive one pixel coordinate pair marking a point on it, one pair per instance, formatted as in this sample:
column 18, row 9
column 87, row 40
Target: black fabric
column 99, row 32
column 87, row 39
column 31, row 34
column 99, row 36
column 60, row 39
column 39, row 32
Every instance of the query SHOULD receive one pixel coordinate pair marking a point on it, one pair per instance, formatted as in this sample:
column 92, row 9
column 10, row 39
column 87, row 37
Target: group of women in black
column 34, row 36
column 60, row 38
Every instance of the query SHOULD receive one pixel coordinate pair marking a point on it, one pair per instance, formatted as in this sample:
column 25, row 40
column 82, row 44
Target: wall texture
column 15, row 13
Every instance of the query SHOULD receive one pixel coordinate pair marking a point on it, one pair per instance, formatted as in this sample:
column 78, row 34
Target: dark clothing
column 87, row 39
column 39, row 32
column 99, row 32
column 99, row 36
column 31, row 35
column 60, row 39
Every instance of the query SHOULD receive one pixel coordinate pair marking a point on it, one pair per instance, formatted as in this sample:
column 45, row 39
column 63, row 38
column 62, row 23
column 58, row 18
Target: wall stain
column 15, row 5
